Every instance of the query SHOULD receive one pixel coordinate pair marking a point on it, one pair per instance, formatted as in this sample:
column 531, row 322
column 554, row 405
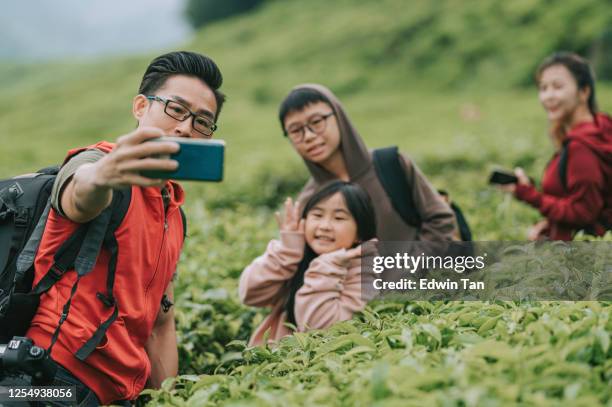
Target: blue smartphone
column 198, row 160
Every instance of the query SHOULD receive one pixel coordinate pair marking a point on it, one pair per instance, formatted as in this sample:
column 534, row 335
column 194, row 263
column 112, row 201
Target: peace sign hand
column 291, row 220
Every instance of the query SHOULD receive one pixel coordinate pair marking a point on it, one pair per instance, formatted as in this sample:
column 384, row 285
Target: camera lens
column 36, row 351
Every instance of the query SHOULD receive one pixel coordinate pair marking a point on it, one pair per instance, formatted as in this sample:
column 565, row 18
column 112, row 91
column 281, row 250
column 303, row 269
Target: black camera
column 20, row 355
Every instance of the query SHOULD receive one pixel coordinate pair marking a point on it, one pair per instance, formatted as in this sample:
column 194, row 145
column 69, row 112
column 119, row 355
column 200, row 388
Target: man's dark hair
column 297, row 100
column 578, row 67
column 183, row 63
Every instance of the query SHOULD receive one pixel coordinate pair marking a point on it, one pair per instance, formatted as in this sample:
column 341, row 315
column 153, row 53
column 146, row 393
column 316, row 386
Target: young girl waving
column 311, row 277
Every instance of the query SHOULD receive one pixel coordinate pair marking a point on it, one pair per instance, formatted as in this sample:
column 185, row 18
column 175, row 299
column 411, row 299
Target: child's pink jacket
column 331, row 290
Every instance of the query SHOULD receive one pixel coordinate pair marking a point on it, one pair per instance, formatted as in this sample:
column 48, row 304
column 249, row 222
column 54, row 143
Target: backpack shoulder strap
column 115, row 214
column 464, row 228
column 25, row 260
column 184, row 218
column 25, row 198
column 393, row 179
column 562, row 167
column 94, row 234
column 80, row 251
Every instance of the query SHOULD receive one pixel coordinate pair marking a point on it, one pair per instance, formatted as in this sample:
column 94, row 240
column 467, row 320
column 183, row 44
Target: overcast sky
column 47, row 29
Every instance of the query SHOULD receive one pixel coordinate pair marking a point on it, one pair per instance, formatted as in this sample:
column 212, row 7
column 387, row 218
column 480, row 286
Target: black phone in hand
column 502, row 178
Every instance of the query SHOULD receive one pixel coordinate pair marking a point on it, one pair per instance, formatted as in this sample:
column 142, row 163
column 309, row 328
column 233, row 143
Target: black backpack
column 399, row 189
column 24, row 207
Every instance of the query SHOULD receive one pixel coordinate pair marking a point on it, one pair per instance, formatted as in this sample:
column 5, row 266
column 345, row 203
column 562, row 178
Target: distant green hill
column 387, row 59
column 389, row 43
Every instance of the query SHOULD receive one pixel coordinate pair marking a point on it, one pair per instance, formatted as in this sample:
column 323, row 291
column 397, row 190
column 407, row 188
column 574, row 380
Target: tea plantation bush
column 394, row 353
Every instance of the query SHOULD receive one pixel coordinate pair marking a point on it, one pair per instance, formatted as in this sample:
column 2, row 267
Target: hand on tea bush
column 536, row 231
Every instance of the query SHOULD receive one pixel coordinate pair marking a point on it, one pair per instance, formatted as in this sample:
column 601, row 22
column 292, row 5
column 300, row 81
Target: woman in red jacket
column 577, row 183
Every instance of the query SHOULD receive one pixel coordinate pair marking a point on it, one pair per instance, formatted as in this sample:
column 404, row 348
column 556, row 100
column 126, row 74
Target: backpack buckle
column 56, row 272
column 109, row 301
column 63, row 317
column 21, row 217
column 8, row 195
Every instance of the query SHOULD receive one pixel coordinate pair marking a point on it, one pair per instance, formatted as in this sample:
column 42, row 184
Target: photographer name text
column 428, row 284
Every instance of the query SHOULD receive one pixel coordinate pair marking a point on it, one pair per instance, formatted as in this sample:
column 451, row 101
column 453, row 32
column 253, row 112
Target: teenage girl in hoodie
column 318, row 128
column 311, row 277
column 582, row 199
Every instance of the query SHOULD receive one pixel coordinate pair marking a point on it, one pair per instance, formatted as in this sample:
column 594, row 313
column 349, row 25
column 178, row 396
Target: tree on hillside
column 200, row 12
column 601, row 55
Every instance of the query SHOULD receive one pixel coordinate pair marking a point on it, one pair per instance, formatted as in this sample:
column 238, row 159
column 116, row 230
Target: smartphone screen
column 198, row 160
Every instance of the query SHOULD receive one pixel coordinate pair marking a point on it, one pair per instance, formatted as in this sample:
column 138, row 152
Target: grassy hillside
column 449, row 82
column 391, row 61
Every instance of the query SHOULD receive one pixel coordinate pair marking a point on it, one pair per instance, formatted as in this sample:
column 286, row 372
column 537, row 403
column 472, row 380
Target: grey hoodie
column 438, row 222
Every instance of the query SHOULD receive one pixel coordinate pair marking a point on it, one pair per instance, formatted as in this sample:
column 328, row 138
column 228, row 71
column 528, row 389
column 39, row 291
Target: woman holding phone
column 577, row 182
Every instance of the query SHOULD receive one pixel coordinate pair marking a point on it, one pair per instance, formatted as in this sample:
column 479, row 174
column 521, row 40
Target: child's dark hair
column 578, row 67
column 183, row 63
column 359, row 205
column 297, row 100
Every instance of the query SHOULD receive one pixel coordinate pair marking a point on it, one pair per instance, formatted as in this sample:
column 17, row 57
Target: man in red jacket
column 179, row 96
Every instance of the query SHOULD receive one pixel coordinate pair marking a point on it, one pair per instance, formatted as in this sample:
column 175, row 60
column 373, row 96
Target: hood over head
column 354, row 151
column 597, row 135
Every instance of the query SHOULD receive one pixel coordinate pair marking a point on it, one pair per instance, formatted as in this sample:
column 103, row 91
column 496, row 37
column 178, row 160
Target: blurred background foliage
column 200, row 12
column 450, row 83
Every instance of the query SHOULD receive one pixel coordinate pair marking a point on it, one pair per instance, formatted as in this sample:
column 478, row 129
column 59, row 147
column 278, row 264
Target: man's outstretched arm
column 90, row 190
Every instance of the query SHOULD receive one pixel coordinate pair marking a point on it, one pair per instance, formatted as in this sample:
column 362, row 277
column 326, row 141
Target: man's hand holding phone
column 90, row 189
column 123, row 166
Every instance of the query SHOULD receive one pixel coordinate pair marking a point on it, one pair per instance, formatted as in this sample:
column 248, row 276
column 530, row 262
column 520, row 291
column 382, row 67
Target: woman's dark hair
column 359, row 205
column 297, row 100
column 183, row 63
column 578, row 67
